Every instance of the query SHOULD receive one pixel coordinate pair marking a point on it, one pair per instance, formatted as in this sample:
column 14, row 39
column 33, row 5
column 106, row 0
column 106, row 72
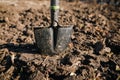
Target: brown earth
column 93, row 54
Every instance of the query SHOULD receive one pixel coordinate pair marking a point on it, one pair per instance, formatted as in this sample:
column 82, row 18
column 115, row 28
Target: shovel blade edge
column 44, row 40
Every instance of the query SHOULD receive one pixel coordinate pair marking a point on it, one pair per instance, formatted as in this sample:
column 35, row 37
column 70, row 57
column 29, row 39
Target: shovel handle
column 54, row 12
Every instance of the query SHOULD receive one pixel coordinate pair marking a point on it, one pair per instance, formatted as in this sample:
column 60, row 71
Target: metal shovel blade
column 51, row 41
column 44, row 39
column 63, row 38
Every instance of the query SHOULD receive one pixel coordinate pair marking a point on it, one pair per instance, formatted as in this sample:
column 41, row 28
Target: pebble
column 72, row 74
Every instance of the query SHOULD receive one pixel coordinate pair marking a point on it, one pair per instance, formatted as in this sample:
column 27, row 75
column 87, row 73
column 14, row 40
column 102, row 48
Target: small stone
column 117, row 68
column 70, row 45
column 72, row 74
column 6, row 19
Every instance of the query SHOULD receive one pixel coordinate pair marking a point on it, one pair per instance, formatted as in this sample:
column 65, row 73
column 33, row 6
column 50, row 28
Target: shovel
column 53, row 39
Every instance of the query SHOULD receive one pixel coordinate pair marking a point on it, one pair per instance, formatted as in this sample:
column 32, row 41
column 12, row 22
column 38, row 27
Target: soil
column 93, row 54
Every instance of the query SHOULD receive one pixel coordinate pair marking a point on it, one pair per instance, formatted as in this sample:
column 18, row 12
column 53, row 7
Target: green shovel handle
column 54, row 12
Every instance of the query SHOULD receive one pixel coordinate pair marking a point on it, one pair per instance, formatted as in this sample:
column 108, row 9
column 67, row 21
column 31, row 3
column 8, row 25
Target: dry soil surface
column 93, row 54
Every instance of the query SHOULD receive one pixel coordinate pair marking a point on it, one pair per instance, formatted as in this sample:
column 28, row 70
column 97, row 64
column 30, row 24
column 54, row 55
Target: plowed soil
column 93, row 54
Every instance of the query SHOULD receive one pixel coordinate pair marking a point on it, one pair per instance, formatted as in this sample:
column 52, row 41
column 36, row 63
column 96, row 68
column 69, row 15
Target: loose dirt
column 93, row 54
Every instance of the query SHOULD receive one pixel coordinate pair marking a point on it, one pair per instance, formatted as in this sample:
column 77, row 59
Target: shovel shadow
column 20, row 48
